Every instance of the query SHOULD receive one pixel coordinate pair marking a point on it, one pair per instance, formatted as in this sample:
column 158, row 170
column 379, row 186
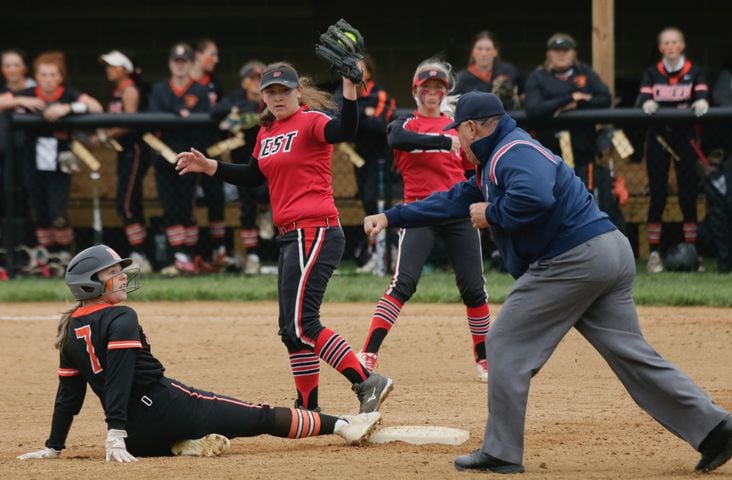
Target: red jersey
column 297, row 144
column 426, row 161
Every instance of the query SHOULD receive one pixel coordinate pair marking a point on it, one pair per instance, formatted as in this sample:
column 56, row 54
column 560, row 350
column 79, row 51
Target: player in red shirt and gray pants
column 430, row 160
column 293, row 154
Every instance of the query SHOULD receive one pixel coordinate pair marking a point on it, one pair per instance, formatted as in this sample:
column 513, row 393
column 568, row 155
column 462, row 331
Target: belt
column 322, row 222
column 413, row 199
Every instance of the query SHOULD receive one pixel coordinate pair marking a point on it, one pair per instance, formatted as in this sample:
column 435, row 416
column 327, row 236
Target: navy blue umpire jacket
column 538, row 207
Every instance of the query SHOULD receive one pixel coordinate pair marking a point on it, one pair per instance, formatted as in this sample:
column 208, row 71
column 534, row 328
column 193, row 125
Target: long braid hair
column 311, row 96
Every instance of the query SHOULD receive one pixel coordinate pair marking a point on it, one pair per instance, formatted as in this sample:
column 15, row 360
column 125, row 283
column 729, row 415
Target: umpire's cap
column 474, row 106
column 280, row 75
column 81, row 274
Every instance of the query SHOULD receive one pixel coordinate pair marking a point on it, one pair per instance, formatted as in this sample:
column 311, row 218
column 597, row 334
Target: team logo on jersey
column 190, row 100
column 277, row 144
column 671, row 93
column 580, row 81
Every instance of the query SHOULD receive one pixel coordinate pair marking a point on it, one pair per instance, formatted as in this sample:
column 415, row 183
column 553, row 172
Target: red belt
column 326, row 222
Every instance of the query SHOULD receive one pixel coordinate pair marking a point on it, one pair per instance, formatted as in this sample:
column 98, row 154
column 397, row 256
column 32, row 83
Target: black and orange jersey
column 678, row 89
column 240, row 100
column 191, row 97
column 375, row 111
column 213, row 87
column 107, row 349
column 62, row 94
column 471, row 78
column 116, row 105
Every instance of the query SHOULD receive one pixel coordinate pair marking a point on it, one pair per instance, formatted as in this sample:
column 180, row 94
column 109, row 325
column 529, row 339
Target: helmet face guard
column 82, row 273
column 133, row 281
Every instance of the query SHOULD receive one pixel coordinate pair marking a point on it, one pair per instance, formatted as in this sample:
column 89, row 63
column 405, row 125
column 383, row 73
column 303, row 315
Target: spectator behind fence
column 375, row 108
column 715, row 230
column 133, row 158
column 238, row 114
column 182, row 96
column 674, row 82
column 563, row 84
column 205, row 59
column 486, row 72
column 49, row 162
column 14, row 69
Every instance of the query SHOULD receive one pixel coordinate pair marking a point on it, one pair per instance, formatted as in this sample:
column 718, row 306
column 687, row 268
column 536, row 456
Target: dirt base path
column 581, row 423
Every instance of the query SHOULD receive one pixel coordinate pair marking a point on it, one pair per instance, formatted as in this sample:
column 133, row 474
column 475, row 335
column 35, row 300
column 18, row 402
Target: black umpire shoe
column 716, row 448
column 372, row 392
column 481, row 461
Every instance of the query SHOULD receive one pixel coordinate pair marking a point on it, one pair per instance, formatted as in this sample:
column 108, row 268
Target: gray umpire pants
column 589, row 287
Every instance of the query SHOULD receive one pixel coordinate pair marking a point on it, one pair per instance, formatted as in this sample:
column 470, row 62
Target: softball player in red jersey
column 430, row 160
column 293, row 154
column 102, row 344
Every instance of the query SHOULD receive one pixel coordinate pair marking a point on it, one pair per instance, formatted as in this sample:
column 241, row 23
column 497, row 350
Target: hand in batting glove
column 116, row 448
column 700, row 107
column 342, row 46
column 44, row 453
column 650, row 107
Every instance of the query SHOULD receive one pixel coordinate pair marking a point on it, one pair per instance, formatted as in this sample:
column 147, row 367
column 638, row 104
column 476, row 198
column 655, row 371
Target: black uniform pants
column 249, row 199
column 308, row 257
column 132, row 165
column 176, row 193
column 213, row 193
column 48, row 195
column 658, row 163
column 170, row 411
column 462, row 243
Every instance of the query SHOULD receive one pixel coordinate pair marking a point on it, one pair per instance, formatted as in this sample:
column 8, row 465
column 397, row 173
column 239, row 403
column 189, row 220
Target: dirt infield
column 581, row 423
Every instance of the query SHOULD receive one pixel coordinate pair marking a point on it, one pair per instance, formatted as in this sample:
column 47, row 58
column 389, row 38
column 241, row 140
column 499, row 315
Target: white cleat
column 359, row 427
column 654, row 265
column 482, row 367
column 211, row 445
column 368, row 360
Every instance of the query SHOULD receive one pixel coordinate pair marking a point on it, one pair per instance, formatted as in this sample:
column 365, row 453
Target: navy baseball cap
column 181, row 51
column 476, row 105
column 283, row 75
column 561, row 41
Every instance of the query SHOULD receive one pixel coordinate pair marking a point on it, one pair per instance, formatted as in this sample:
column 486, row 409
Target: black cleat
column 372, row 392
column 299, row 406
column 483, row 462
column 716, row 449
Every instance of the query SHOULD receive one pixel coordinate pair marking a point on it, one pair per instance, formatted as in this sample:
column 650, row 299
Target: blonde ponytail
column 61, row 332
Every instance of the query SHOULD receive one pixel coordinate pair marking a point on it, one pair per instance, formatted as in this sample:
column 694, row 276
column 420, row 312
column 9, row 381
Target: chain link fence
column 669, row 168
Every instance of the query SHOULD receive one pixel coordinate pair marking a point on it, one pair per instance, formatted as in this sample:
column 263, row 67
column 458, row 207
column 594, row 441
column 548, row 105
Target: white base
column 420, row 435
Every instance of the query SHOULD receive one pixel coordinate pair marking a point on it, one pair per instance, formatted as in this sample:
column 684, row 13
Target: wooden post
column 603, row 41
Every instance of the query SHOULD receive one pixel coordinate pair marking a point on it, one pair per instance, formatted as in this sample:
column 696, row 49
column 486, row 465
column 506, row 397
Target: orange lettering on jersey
column 580, row 81
column 190, row 101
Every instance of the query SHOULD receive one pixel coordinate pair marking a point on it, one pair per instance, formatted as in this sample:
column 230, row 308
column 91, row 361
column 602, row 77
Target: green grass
column 693, row 289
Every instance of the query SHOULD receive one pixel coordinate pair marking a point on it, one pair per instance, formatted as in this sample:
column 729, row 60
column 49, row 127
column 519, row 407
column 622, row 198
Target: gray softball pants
column 590, row 288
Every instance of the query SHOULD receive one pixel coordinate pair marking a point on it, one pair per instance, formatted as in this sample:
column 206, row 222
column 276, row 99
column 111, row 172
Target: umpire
column 573, row 268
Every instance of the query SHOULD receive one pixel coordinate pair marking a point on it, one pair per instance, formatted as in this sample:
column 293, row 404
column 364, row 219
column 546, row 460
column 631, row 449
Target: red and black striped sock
column 298, row 423
column 337, row 353
column 306, row 373
column 385, row 316
column 479, row 322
